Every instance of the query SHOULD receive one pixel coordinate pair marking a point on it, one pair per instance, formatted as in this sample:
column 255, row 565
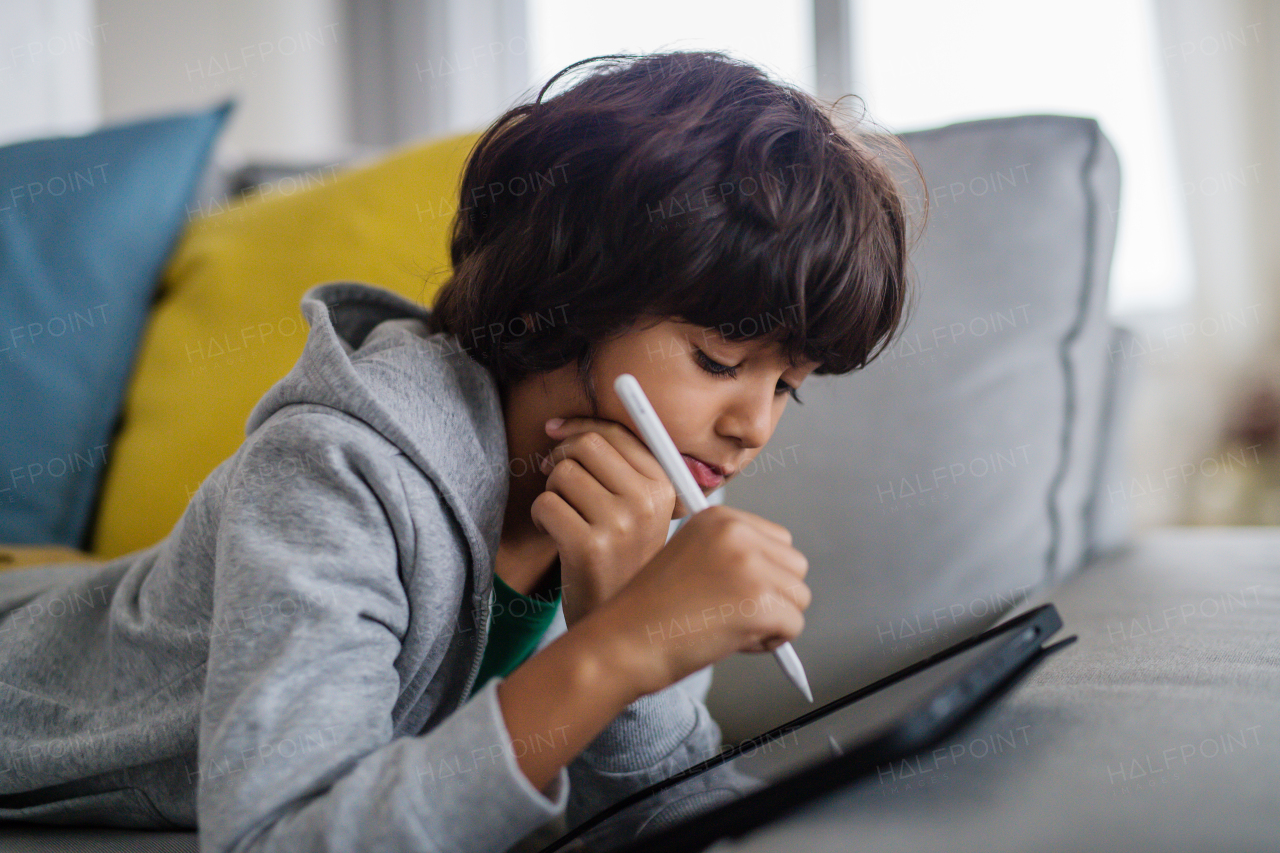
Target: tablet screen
column 792, row 748
column 856, row 722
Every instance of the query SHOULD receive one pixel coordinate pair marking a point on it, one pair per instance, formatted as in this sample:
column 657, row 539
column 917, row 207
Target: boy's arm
column 296, row 747
column 655, row 737
column 594, row 711
column 646, row 740
column 613, row 742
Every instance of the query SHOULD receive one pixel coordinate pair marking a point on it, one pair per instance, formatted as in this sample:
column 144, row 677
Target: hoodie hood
column 368, row 354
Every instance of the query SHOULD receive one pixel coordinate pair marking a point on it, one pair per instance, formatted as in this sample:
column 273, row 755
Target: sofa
column 975, row 470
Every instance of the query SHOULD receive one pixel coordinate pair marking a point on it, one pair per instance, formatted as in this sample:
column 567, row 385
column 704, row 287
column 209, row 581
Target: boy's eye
column 715, row 368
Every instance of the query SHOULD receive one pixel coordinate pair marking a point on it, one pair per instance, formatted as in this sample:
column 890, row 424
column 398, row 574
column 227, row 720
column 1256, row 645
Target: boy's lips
column 705, row 474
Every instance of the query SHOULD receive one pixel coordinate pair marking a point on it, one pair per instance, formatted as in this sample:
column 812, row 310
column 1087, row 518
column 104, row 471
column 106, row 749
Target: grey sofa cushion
column 34, row 838
column 223, row 185
column 958, row 473
column 1155, row 730
column 1108, row 514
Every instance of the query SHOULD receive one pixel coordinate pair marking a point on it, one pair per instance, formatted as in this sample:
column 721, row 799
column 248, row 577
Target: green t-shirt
column 517, row 624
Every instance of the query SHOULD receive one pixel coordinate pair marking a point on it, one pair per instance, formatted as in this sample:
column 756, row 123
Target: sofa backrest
column 958, row 474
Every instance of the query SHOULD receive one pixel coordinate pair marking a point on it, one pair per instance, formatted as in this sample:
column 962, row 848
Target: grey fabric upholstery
column 222, row 185
column 31, row 838
column 957, row 474
column 1109, row 518
column 1155, row 731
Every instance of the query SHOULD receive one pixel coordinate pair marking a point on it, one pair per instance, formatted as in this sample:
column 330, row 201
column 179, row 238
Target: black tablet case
column 959, row 700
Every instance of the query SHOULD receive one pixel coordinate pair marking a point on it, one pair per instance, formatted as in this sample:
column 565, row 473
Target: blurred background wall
column 1188, row 90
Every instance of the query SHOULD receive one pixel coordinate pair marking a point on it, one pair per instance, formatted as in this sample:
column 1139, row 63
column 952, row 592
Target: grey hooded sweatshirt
column 286, row 670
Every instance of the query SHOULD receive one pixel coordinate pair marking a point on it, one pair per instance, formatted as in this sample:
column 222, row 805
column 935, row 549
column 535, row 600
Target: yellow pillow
column 227, row 324
column 21, row 556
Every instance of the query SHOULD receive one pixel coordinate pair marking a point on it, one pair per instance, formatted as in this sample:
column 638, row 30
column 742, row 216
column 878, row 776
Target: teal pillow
column 86, row 225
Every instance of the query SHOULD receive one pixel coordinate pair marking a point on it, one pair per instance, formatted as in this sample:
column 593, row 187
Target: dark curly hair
column 685, row 184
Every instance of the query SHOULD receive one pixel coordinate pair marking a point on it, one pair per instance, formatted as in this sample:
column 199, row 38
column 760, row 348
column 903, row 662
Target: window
column 48, row 68
column 774, row 34
column 923, row 63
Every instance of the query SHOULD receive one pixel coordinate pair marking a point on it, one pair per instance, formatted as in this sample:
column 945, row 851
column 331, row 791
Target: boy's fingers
column 623, row 440
column 777, row 531
column 555, row 515
column 596, row 456
column 632, row 449
column 582, row 490
column 765, row 526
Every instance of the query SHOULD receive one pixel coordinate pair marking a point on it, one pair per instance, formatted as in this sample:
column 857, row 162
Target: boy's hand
column 728, row 581
column 608, row 505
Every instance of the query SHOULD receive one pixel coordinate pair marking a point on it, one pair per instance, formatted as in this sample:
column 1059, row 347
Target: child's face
column 722, row 420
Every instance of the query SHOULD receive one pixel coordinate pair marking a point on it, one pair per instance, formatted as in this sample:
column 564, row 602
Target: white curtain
column 1222, row 65
column 1221, row 62
column 48, row 68
column 435, row 67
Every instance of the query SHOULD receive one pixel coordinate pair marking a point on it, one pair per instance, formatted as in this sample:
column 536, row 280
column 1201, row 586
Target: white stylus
column 659, row 441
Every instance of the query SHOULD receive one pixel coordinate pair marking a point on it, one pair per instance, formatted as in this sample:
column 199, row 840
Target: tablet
column 769, row 775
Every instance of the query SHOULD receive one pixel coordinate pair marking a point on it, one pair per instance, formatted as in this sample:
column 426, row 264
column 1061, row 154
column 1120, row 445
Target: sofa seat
column 1157, row 730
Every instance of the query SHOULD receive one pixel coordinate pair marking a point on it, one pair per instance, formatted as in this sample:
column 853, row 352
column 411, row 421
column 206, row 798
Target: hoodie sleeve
column 654, row 738
column 296, row 747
